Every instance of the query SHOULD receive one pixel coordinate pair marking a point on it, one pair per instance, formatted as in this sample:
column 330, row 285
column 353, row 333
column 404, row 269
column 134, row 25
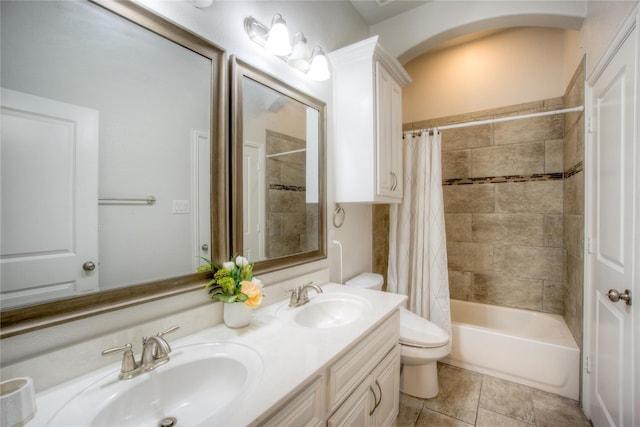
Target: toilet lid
column 416, row 331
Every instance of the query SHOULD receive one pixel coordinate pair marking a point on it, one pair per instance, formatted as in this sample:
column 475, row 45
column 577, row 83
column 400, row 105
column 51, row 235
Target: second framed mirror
column 278, row 171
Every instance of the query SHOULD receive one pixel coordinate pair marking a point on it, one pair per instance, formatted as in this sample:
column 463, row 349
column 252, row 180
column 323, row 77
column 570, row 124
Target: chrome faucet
column 300, row 295
column 155, row 352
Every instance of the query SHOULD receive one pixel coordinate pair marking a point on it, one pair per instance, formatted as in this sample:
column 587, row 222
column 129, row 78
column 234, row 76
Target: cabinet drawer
column 354, row 366
column 305, row 410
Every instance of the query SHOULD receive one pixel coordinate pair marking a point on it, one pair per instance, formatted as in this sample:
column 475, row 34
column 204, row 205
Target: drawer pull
column 380, row 390
column 375, row 400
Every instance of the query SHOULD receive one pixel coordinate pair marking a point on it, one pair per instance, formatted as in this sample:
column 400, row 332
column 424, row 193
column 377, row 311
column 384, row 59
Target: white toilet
column 422, row 344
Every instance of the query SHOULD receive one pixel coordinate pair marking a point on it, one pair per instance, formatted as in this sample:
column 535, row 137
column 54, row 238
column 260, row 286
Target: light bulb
column 319, row 65
column 278, row 42
column 300, row 55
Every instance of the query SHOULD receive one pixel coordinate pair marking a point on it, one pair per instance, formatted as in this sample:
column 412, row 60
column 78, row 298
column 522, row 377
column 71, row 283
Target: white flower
column 242, row 261
column 229, row 265
column 257, row 282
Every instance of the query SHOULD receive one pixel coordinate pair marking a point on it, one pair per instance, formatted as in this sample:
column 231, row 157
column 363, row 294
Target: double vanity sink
column 222, row 376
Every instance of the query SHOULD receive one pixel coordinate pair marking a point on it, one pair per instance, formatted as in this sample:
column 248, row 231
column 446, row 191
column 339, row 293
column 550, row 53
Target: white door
column 201, row 196
column 610, row 239
column 253, row 192
column 49, row 199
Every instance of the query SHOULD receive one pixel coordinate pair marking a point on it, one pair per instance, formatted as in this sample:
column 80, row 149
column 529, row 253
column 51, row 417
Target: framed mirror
column 278, row 171
column 114, row 159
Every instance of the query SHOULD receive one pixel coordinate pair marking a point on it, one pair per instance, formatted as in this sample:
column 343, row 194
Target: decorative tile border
column 283, row 187
column 503, row 179
column 579, row 167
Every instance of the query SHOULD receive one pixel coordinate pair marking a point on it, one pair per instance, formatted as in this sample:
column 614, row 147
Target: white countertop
column 291, row 355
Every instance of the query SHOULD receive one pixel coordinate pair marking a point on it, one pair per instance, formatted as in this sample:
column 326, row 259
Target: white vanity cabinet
column 361, row 388
column 364, row 385
column 288, row 374
column 368, row 121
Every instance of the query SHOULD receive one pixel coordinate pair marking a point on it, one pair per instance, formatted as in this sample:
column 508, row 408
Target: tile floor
column 468, row 399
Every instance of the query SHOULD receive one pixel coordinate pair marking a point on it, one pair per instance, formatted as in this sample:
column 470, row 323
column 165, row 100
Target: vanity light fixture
column 299, row 56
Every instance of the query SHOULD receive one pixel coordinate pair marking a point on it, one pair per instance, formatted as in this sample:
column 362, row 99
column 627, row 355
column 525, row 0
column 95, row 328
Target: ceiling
column 374, row 11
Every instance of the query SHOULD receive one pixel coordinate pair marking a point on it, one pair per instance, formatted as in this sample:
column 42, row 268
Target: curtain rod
column 498, row 120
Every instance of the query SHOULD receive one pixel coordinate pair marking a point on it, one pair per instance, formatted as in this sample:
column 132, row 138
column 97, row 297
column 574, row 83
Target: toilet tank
column 371, row 281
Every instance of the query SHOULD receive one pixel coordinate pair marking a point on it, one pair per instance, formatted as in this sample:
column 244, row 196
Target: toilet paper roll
column 17, row 402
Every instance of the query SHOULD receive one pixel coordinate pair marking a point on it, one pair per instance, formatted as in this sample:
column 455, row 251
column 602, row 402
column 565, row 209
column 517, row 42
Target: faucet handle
column 128, row 361
column 294, row 300
column 168, row 331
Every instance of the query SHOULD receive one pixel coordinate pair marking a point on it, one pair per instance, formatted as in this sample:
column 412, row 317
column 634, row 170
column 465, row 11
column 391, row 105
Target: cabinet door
column 355, row 411
column 396, row 138
column 389, row 134
column 307, row 409
column 386, row 382
column 360, row 361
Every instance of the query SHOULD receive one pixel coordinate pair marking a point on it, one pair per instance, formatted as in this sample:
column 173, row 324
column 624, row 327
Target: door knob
column 88, row 266
column 204, row 247
column 616, row 296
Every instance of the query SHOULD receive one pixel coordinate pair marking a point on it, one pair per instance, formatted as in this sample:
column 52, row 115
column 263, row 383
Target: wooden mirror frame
column 30, row 318
column 240, row 70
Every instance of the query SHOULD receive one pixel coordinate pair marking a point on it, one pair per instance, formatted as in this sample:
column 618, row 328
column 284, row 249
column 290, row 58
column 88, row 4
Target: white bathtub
column 526, row 347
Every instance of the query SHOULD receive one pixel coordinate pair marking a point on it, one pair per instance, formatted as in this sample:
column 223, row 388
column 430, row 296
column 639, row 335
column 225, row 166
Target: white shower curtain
column 417, row 243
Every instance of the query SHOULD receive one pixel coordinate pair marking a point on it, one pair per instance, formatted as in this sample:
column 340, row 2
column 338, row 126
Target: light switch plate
column 180, row 207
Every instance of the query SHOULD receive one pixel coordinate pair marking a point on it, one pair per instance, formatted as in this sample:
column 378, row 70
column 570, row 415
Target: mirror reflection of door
column 201, row 189
column 49, row 216
column 254, row 193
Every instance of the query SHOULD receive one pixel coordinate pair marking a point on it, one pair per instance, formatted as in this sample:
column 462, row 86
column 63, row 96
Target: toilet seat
column 416, row 331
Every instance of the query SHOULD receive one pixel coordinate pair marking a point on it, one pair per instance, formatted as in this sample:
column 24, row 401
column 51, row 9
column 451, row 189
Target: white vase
column 236, row 315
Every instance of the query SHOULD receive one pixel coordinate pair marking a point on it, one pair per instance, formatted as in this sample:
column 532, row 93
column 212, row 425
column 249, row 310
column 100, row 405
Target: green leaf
column 227, row 298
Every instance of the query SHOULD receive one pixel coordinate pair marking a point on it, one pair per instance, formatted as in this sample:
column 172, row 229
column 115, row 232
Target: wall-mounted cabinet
column 368, row 123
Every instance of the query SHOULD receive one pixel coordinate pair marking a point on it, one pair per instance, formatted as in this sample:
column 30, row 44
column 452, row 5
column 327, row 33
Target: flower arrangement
column 234, row 282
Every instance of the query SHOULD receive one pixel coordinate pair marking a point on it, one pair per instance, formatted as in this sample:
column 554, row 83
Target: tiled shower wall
column 503, row 198
column 513, row 198
column 291, row 222
column 573, row 211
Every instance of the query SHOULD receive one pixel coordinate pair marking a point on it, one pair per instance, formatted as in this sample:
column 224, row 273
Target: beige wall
column 510, row 67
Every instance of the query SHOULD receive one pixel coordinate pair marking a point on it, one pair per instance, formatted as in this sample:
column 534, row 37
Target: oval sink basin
column 327, row 310
column 198, row 382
